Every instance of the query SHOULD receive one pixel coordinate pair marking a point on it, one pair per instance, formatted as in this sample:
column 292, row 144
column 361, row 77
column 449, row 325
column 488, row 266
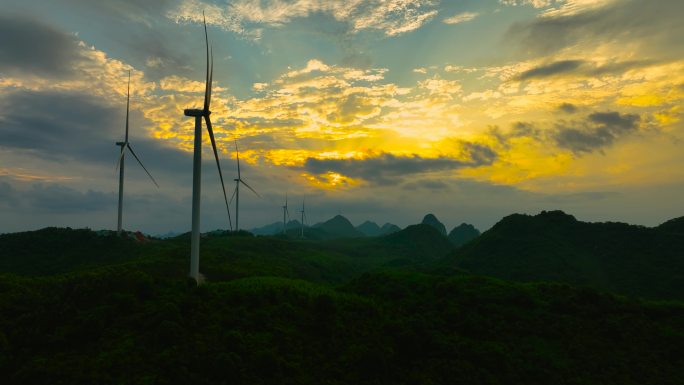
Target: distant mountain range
column 371, row 229
column 276, row 228
column 336, row 227
column 341, row 227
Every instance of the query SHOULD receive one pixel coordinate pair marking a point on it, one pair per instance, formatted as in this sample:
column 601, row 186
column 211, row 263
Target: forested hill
column 554, row 246
column 83, row 307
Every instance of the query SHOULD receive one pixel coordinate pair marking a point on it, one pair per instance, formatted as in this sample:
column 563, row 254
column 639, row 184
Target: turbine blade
column 207, row 89
column 254, row 191
column 233, row 196
column 118, row 163
column 218, row 165
column 128, row 100
column 141, row 165
column 237, row 155
column 211, row 75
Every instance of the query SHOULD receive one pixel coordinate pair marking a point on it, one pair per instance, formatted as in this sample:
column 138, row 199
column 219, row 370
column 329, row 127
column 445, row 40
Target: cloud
column 568, row 108
column 387, row 169
column 249, row 17
column 579, row 68
column 652, row 28
column 74, row 127
column 592, row 133
column 56, row 123
column 599, row 130
column 559, row 67
column 63, row 199
column 461, row 18
column 131, row 10
column 29, row 46
column 534, row 3
column 55, row 198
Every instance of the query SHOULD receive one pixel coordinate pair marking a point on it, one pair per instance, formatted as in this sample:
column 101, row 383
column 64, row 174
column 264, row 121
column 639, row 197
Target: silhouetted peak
column 417, row 231
column 518, row 222
column 389, row 228
column 339, row 226
column 556, row 216
column 673, row 225
column 339, row 219
column 432, row 220
column 463, row 234
column 370, row 229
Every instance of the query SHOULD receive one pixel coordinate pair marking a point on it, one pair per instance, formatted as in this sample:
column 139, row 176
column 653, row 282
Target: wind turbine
column 120, row 164
column 303, row 217
column 286, row 215
column 236, row 193
column 198, row 114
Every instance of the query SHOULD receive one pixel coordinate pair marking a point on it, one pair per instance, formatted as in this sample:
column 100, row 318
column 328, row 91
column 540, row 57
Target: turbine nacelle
column 196, row 112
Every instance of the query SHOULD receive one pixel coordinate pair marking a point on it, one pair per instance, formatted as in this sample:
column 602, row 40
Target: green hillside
column 554, row 246
column 80, row 307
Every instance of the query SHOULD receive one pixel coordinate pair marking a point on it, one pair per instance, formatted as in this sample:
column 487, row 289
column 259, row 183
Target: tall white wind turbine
column 303, row 218
column 125, row 145
column 198, row 114
column 286, row 215
column 236, row 193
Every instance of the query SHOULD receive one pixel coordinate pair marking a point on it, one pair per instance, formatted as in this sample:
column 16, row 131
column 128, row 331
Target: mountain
column 275, row 228
column 368, row 228
column 554, row 246
column 432, row 220
column 389, row 228
column 419, row 243
column 462, row 234
column 673, row 226
column 339, row 227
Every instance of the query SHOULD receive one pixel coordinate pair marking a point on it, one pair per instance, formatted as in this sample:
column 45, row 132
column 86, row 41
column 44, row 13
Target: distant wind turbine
column 236, row 193
column 197, row 162
column 120, row 164
column 286, row 215
column 303, row 217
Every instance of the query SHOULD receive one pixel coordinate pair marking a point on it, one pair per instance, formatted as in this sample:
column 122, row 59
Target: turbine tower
column 236, row 193
column 120, row 164
column 303, row 218
column 198, row 114
column 286, row 216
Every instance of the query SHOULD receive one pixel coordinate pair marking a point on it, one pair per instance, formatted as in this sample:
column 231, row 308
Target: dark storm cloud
column 427, row 185
column 615, row 120
column 141, row 33
column 64, row 125
column 31, row 46
column 579, row 68
column 55, row 198
column 568, row 108
column 55, row 122
column 555, row 68
column 386, row 169
column 58, row 198
column 600, row 130
column 655, row 25
column 130, row 9
column 8, row 195
column 592, row 133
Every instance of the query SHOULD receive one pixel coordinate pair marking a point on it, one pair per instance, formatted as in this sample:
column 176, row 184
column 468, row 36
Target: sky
column 381, row 110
